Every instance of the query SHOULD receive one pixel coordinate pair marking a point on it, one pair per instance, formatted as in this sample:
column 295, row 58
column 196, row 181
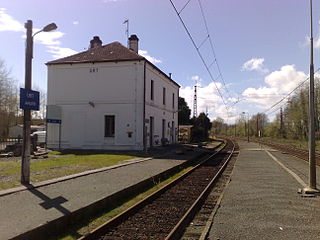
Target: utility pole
column 25, row 156
column 312, row 188
column 25, row 168
column 248, row 127
column 258, row 125
column 281, row 123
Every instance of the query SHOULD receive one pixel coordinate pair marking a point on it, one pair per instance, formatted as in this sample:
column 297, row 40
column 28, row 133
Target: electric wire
column 285, row 97
column 200, row 55
column 212, row 48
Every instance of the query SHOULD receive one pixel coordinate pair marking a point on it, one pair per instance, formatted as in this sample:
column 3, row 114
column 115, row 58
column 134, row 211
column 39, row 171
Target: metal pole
column 25, row 161
column 311, row 189
column 248, row 127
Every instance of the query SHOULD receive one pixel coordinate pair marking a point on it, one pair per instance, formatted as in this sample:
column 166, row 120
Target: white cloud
column 145, row 54
column 196, row 78
column 278, row 84
column 75, row 22
column 7, row 23
column 255, row 64
column 317, row 43
column 207, row 99
column 49, row 39
column 60, row 52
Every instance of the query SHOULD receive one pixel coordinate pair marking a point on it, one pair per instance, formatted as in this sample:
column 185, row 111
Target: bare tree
column 8, row 100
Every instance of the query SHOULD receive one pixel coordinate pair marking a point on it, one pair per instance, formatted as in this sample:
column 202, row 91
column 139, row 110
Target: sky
column 259, row 53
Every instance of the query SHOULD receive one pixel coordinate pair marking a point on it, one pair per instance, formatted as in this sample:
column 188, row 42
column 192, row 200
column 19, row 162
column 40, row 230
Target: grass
column 86, row 225
column 59, row 164
column 89, row 224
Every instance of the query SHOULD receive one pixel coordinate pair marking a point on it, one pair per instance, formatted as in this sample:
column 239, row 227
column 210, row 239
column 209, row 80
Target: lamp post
column 312, row 188
column 25, row 161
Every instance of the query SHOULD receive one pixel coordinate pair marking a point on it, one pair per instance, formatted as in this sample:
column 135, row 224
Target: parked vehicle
column 41, row 137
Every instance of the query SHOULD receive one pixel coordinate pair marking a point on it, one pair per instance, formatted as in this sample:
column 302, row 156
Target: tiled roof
column 111, row 52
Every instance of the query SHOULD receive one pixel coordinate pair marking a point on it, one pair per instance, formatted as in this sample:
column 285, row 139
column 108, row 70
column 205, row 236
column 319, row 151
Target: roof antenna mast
column 127, row 28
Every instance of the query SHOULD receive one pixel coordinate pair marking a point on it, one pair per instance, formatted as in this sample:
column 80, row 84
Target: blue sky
column 261, row 46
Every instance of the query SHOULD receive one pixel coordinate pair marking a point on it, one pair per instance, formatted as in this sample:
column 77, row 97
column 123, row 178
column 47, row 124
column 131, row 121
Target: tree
column 9, row 110
column 184, row 112
column 201, row 127
column 217, row 125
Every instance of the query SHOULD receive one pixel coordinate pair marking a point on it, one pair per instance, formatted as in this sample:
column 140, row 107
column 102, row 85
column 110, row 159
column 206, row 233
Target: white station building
column 112, row 98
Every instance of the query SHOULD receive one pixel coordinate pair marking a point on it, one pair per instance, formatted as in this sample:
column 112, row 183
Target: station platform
column 262, row 202
column 27, row 209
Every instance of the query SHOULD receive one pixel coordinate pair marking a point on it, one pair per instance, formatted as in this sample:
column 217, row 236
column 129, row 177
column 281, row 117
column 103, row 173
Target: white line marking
column 287, row 169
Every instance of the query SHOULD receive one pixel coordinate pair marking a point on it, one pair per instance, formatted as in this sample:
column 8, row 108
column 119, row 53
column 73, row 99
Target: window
column 109, row 126
column 173, row 100
column 151, row 90
column 164, row 96
column 163, row 128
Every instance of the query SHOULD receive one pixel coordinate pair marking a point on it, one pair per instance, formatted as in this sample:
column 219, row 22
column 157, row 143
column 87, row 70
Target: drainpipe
column 144, row 108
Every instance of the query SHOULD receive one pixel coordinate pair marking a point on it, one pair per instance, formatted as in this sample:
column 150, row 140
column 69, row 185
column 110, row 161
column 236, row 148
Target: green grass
column 86, row 225
column 58, row 164
column 89, row 224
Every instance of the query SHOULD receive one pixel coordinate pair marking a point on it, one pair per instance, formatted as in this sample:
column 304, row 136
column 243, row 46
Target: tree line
column 201, row 124
column 10, row 112
column 290, row 122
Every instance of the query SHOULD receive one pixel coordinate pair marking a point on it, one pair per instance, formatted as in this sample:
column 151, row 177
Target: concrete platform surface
column 28, row 209
column 261, row 201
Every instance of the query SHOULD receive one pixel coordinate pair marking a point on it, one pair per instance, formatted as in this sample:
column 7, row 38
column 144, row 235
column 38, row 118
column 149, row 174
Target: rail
column 179, row 194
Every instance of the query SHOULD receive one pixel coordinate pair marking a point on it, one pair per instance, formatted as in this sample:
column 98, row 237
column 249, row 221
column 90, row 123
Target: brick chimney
column 133, row 43
column 95, row 42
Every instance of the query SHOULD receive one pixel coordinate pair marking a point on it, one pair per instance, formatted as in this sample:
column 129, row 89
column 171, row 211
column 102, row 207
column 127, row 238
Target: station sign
column 29, row 99
column 54, row 121
column 54, row 114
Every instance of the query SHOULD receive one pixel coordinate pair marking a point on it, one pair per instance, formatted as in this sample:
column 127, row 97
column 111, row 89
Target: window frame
column 152, row 90
column 109, row 127
column 164, row 96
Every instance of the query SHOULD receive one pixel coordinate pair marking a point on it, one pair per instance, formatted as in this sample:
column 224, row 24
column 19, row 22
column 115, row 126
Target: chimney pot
column 133, row 43
column 95, row 42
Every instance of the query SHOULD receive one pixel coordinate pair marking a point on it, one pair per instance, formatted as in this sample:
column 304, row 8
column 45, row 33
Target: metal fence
column 8, row 141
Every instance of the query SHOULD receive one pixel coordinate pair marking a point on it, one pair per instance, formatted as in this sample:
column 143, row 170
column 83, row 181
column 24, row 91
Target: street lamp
column 247, row 125
column 25, row 161
column 312, row 188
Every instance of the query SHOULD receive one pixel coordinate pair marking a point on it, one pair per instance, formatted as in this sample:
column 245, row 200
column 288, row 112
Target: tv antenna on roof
column 127, row 29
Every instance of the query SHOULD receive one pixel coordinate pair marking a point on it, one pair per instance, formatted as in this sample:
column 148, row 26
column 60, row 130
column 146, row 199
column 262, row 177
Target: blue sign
column 29, row 99
column 53, row 121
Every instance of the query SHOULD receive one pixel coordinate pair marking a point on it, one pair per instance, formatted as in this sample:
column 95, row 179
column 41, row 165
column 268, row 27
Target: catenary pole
column 311, row 189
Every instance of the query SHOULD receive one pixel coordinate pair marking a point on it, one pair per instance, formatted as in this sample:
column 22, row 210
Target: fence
column 8, row 141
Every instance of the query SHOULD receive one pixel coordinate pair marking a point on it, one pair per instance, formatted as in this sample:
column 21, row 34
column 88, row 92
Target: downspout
column 144, row 108
column 177, row 112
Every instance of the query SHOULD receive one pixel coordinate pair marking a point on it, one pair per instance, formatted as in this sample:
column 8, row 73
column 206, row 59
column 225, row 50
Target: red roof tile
column 111, row 52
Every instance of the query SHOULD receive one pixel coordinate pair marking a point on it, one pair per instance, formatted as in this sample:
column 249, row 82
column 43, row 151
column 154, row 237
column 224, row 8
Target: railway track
column 166, row 213
column 292, row 150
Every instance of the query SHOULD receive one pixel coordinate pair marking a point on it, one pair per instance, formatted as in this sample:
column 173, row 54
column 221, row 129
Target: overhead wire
column 199, row 53
column 212, row 48
column 285, row 97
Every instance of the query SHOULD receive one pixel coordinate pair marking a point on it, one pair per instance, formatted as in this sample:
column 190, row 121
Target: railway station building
column 111, row 98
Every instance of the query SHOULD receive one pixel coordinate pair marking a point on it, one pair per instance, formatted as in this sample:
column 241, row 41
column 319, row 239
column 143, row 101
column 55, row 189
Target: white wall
column 113, row 88
column 155, row 108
